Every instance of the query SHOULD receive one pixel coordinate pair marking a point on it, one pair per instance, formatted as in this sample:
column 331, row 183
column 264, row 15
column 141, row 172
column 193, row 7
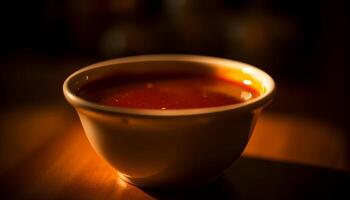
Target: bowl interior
column 228, row 69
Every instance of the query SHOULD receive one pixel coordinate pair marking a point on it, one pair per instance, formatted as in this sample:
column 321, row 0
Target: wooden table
column 44, row 154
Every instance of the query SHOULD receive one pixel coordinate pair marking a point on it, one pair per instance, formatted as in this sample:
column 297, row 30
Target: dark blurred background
column 303, row 45
column 300, row 43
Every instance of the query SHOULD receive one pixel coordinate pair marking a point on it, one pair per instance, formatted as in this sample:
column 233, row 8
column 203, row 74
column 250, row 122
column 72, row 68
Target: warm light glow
column 121, row 183
column 247, row 82
column 246, row 95
column 247, row 70
column 122, row 175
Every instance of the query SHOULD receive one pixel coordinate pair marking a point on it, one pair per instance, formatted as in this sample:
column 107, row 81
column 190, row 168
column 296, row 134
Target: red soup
column 166, row 91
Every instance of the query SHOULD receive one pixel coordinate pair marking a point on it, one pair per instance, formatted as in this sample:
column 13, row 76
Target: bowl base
column 186, row 185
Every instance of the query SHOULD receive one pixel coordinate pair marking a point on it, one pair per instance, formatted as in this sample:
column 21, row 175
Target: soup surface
column 166, row 91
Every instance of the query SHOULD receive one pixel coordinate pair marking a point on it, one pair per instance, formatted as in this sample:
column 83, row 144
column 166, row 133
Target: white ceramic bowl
column 170, row 148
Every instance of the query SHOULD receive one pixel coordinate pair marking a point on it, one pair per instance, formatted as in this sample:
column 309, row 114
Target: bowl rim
column 258, row 102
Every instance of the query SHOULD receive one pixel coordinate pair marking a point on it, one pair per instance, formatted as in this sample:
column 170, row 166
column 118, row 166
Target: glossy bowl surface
column 170, row 148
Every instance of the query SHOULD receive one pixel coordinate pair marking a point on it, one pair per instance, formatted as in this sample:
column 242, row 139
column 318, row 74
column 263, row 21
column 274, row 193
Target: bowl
column 170, row 148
